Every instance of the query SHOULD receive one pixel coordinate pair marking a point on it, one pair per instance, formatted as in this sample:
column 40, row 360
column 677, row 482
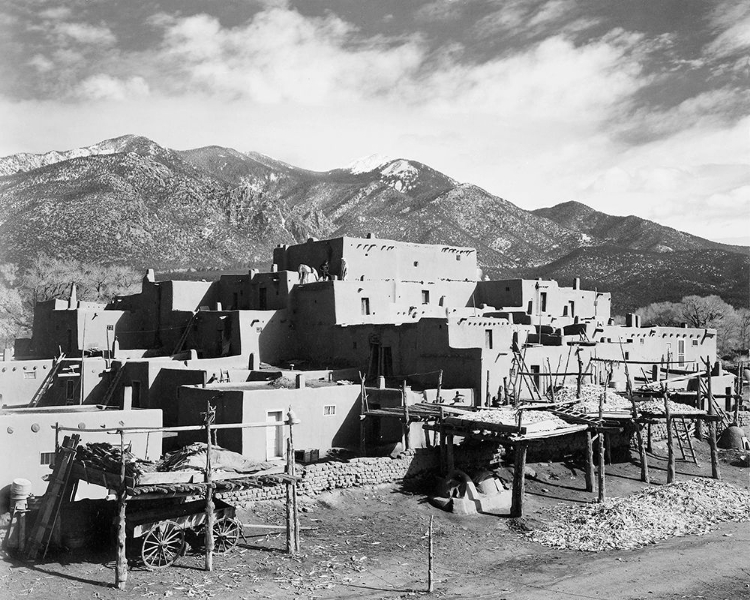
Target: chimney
column 150, row 276
column 577, row 283
column 73, row 301
column 127, row 397
column 300, row 381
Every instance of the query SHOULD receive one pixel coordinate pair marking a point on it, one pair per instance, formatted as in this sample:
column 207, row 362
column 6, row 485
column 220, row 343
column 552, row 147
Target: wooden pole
column 649, row 445
column 289, row 516
column 439, row 386
column 209, row 532
column 670, row 443
column 580, row 373
column 589, row 462
column 443, row 458
column 600, row 476
column 291, row 469
column 430, row 558
column 121, row 570
column 699, row 406
column 406, row 427
column 712, row 426
column 362, row 417
column 519, row 481
column 449, row 452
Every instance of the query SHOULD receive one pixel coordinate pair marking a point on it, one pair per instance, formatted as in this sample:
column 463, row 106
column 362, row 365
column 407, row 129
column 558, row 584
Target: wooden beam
column 519, row 481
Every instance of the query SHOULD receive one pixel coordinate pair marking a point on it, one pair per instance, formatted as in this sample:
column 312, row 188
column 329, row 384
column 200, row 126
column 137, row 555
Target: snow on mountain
column 367, row 164
column 400, row 175
column 24, row 161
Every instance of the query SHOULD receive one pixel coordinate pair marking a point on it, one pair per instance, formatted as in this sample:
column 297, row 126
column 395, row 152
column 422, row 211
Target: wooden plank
column 519, row 481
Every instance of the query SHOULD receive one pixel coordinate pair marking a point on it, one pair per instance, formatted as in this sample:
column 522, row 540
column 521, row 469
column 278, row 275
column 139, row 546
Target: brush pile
column 509, row 416
column 589, row 400
column 656, row 407
column 685, row 508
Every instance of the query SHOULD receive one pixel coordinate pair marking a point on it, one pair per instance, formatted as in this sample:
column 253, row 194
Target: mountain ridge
column 132, row 201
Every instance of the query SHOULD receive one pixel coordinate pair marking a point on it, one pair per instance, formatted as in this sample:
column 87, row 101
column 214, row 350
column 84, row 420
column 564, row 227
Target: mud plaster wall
column 407, row 467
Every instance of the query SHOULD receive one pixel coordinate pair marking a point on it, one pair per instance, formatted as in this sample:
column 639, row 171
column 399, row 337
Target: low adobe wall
column 408, row 467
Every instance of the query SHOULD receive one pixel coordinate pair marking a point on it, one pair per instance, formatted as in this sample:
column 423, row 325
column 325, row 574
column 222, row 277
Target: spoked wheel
column 226, row 534
column 162, row 545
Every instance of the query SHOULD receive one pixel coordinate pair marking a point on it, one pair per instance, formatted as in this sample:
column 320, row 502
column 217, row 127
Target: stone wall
column 409, row 467
column 659, row 432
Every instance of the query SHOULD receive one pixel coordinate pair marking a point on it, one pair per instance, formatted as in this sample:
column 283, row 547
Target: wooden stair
column 41, row 533
column 186, row 332
column 113, row 386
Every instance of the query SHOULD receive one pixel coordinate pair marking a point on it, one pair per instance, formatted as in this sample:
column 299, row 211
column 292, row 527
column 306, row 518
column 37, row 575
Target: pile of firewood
column 106, row 457
column 686, row 508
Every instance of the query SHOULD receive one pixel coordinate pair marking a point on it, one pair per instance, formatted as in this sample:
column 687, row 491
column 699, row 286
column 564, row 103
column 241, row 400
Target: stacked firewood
column 106, row 457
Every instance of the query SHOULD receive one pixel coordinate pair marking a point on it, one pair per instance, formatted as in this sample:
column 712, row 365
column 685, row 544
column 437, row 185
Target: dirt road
column 370, row 543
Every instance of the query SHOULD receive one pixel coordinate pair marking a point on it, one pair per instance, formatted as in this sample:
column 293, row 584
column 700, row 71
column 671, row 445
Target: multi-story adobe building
column 381, row 308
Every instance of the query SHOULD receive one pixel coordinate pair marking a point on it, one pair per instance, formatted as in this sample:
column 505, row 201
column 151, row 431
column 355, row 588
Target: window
column 47, row 458
column 29, row 374
column 425, row 296
column 681, row 352
column 275, row 435
column 530, row 309
column 488, row 339
column 695, row 342
column 627, row 355
column 643, row 340
column 543, row 301
column 136, row 394
column 535, row 370
column 329, row 409
column 572, row 306
column 365, row 303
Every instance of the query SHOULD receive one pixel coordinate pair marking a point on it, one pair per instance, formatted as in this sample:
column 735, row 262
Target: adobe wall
column 233, row 291
column 27, row 433
column 271, row 291
column 251, row 403
column 371, row 258
column 412, row 467
column 20, row 379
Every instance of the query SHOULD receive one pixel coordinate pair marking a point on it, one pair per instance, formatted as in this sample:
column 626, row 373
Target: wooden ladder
column 185, row 334
column 48, row 381
column 524, row 369
column 682, row 429
column 112, row 386
column 41, row 532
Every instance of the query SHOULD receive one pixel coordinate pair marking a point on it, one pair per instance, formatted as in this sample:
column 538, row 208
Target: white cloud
column 106, row 87
column 731, row 21
column 41, row 63
column 85, row 33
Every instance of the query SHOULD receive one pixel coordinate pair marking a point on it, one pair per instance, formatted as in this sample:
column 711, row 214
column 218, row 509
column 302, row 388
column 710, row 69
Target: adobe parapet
column 351, row 258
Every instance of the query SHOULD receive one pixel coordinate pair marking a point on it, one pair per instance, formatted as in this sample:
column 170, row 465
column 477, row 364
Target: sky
column 629, row 106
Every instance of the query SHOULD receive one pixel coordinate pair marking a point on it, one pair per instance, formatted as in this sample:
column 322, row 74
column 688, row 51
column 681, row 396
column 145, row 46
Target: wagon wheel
column 162, row 545
column 226, row 534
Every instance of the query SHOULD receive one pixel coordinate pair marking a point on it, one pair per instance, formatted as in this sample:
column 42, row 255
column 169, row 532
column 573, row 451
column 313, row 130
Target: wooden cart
column 163, row 530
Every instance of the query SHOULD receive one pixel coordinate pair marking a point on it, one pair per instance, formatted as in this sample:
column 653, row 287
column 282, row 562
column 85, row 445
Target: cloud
column 731, row 22
column 106, row 87
column 85, row 33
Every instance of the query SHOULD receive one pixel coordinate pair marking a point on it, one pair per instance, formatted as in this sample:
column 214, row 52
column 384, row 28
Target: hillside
column 131, row 201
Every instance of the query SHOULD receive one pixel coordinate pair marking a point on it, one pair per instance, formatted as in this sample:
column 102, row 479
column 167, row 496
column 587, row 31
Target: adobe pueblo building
column 335, row 328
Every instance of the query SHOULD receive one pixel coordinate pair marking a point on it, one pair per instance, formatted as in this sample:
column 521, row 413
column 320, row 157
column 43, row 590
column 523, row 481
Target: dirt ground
column 371, row 543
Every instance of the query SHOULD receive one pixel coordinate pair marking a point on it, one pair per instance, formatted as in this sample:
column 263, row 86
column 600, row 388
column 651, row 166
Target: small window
column 329, row 409
column 643, row 341
column 425, row 296
column 47, row 458
column 29, row 374
column 365, row 303
column 695, row 342
column 458, row 257
column 488, row 339
column 543, row 301
column 70, row 388
column 627, row 355
column 416, row 263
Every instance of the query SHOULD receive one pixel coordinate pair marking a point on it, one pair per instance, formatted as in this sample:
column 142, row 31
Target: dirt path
column 370, row 543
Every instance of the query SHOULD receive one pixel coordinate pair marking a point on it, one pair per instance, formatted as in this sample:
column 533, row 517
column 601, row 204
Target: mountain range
column 129, row 200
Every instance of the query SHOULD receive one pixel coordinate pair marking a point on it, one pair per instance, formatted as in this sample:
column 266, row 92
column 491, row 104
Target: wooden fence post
column 121, row 570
